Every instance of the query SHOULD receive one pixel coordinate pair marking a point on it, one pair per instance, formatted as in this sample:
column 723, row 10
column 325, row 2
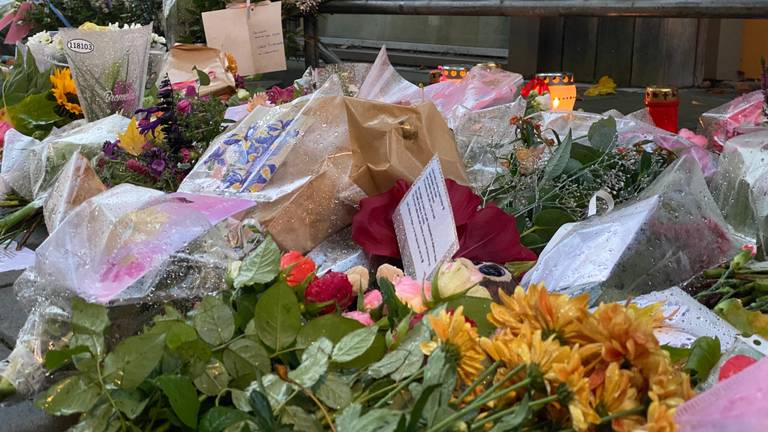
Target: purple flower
column 184, row 106
column 279, row 96
column 190, row 91
column 109, row 149
column 123, row 97
column 157, row 167
column 239, row 81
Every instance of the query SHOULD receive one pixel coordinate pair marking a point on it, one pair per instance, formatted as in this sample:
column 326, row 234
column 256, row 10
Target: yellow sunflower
column 460, row 339
column 554, row 314
column 64, row 90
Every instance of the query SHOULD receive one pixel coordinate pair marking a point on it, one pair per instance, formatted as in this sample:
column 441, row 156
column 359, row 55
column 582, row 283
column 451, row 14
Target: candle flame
column 555, row 104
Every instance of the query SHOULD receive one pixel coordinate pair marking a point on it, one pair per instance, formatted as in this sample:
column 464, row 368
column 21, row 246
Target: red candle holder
column 663, row 105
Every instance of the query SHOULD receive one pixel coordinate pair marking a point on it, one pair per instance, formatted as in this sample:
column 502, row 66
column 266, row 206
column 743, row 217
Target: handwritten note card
column 252, row 34
column 424, row 224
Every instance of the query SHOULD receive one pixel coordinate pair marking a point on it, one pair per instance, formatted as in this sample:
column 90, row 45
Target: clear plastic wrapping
column 726, row 121
column 740, row 186
column 673, row 231
column 484, row 137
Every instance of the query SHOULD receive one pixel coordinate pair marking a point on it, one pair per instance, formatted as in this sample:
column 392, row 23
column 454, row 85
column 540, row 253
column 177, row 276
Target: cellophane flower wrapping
column 293, row 161
column 673, row 231
column 33, row 166
column 632, row 129
column 740, row 186
column 483, row 87
column 687, row 320
column 728, row 120
column 484, row 137
column 109, row 68
column 735, row 404
column 127, row 246
column 350, row 75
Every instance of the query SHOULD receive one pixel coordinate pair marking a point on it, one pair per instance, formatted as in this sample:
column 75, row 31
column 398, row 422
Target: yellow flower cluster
column 608, row 362
column 64, row 90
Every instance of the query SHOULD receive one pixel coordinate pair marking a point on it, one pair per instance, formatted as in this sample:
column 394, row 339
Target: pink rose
column 699, row 140
column 363, row 318
column 752, row 249
column 372, row 300
column 413, row 293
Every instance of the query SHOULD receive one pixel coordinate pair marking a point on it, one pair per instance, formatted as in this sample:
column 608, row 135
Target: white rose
column 544, row 102
column 42, row 38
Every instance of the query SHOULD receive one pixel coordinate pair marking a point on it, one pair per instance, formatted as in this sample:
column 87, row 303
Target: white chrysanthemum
column 157, row 39
column 42, row 38
column 58, row 43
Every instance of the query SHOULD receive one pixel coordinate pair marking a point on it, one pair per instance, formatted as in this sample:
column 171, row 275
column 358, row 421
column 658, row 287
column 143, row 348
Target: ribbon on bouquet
column 605, row 196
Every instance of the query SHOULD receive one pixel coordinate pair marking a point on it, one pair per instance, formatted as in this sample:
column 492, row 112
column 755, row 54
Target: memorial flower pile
column 288, row 350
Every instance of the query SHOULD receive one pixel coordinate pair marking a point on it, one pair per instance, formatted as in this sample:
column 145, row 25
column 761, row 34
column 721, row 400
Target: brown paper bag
column 391, row 142
column 77, row 183
column 184, row 58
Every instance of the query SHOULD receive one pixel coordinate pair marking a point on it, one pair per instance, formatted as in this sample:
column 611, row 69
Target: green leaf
column 202, row 77
column 548, row 221
column 396, row 310
column 219, row 418
column 334, row 328
column 88, row 318
column 277, row 390
column 677, row 354
column 277, row 317
column 214, row 378
column 559, row 159
column 745, row 321
column 354, row 344
column 346, row 420
column 301, row 420
column 25, row 79
column 182, row 396
column 176, row 332
column 404, row 361
column 314, row 363
column 584, row 154
column 477, row 309
column 240, row 400
column 333, row 391
column 418, row 407
column 602, row 134
column 262, row 411
column 34, row 114
column 55, row 359
column 69, row 396
column 94, row 343
column 98, row 418
column 261, row 266
column 705, row 353
column 375, row 420
column 134, row 359
column 214, row 321
column 439, row 371
column 515, row 420
column 129, row 402
column 245, row 358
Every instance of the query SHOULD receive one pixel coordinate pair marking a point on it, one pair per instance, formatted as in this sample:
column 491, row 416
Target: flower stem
column 479, row 380
column 508, row 411
column 397, row 389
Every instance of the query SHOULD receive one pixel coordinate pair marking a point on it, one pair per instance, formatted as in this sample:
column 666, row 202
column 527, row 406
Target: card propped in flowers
column 426, row 231
column 252, row 33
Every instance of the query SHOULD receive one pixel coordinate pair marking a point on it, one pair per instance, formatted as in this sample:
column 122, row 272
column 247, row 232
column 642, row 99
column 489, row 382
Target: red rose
column 485, row 234
column 536, row 84
column 300, row 267
column 332, row 286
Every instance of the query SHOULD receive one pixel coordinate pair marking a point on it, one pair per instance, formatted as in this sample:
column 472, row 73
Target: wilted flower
column 136, row 166
column 358, row 277
column 298, row 266
column 331, row 287
column 457, row 277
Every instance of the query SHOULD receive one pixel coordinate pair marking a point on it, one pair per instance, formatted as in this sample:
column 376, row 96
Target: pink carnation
column 372, row 300
column 363, row 318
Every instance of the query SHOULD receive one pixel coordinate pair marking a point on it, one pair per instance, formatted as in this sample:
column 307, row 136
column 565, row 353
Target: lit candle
column 562, row 90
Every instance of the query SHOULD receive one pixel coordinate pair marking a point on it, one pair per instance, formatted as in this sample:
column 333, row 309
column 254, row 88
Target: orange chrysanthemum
column 553, row 314
column 460, row 339
column 626, row 332
column 64, row 90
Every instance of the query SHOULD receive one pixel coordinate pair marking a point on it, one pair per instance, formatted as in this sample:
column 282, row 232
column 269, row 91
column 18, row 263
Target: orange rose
column 296, row 267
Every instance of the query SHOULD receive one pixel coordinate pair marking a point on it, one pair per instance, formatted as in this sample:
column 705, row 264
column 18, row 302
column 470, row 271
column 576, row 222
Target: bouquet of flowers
column 280, row 352
column 551, row 181
column 159, row 150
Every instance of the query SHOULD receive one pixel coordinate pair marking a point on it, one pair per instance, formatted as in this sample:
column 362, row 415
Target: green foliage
column 699, row 359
